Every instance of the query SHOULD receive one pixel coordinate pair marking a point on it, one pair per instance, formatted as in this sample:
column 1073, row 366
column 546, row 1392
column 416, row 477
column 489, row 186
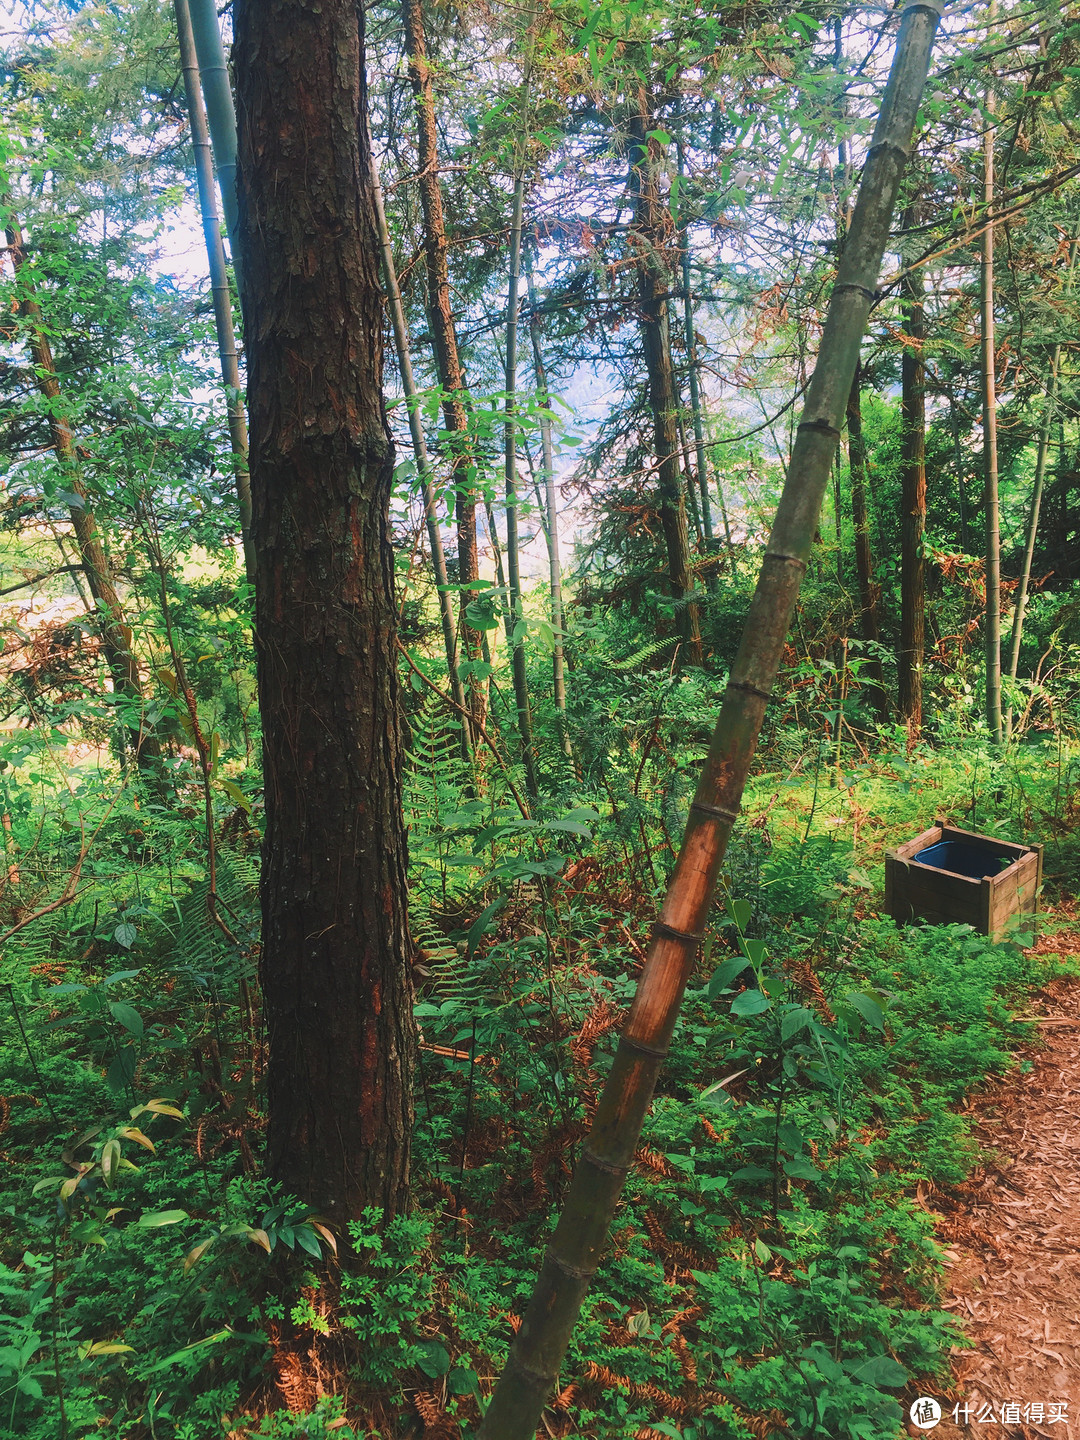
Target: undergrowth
column 772, row 1268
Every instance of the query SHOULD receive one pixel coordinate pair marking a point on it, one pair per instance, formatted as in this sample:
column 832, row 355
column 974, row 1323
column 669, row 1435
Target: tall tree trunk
column 444, row 337
column 552, row 510
column 515, row 611
column 1032, row 529
column 221, row 117
column 335, row 958
column 990, row 456
column 864, row 558
column 912, row 501
column 654, row 282
column 423, row 462
column 219, row 278
column 692, row 370
column 576, row 1247
column 116, row 635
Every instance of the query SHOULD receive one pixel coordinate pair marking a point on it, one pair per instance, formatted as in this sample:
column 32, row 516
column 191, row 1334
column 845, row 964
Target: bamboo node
column 653, row 1051
column 575, row 1272
column 717, row 811
column 750, row 689
column 661, row 927
column 822, row 426
column 605, row 1165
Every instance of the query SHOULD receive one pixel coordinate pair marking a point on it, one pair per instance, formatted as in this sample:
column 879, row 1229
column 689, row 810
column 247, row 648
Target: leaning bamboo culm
column 574, row 1254
column 423, row 462
column 219, row 277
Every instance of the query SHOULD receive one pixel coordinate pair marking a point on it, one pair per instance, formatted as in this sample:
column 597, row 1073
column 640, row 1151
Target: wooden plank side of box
column 920, row 891
column 982, row 842
column 911, row 848
column 1015, row 892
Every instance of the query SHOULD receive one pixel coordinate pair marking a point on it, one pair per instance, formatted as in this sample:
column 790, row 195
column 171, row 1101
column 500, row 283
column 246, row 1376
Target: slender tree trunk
column 692, row 374
column 444, row 337
column 690, row 483
column 1032, row 529
column 515, row 610
column 990, row 456
column 219, row 278
column 912, row 502
column 577, row 1244
column 551, row 507
column 221, row 117
column 423, row 462
column 336, row 951
column 116, row 635
column 654, row 282
column 864, row 558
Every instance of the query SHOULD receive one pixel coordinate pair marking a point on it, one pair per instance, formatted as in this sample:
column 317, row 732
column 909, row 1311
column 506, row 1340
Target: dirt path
column 1013, row 1237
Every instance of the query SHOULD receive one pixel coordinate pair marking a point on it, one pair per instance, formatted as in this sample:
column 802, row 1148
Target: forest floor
column 1011, row 1229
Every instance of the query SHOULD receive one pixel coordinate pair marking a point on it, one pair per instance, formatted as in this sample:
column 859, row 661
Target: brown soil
column 1011, row 1235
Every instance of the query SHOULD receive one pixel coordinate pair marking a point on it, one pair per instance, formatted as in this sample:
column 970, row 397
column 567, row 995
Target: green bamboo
column 692, row 366
column 537, row 1353
column 221, row 115
column 515, row 615
column 423, row 461
column 219, row 276
column 550, row 505
column 1036, row 505
column 990, row 446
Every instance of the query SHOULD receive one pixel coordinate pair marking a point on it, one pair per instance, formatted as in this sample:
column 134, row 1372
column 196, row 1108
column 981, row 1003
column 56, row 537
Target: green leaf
column 795, row 1020
column 724, row 973
column 462, row 1381
column 801, row 1169
column 762, row 1251
column 125, row 934
column 160, row 1218
column 750, row 1002
column 235, row 793
column 434, row 1358
column 752, row 1172
column 880, row 1370
column 757, row 952
column 870, row 1008
column 740, row 911
column 127, row 1016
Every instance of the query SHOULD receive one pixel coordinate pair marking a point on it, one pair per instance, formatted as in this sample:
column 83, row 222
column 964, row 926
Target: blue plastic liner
column 963, row 859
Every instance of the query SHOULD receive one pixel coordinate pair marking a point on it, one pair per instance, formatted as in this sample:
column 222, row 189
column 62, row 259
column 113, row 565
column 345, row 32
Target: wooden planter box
column 950, row 876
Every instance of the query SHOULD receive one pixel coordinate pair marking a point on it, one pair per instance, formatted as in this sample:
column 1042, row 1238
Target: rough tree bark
column 335, row 959
column 654, row 283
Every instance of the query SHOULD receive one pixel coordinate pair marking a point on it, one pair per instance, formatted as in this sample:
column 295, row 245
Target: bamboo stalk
column 515, row 615
column 558, row 667
column 420, row 450
column 1036, row 505
column 221, row 117
column 913, row 499
column 864, row 556
column 444, row 335
column 990, row 448
column 692, row 367
column 219, row 277
column 1032, row 531
column 517, row 1403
